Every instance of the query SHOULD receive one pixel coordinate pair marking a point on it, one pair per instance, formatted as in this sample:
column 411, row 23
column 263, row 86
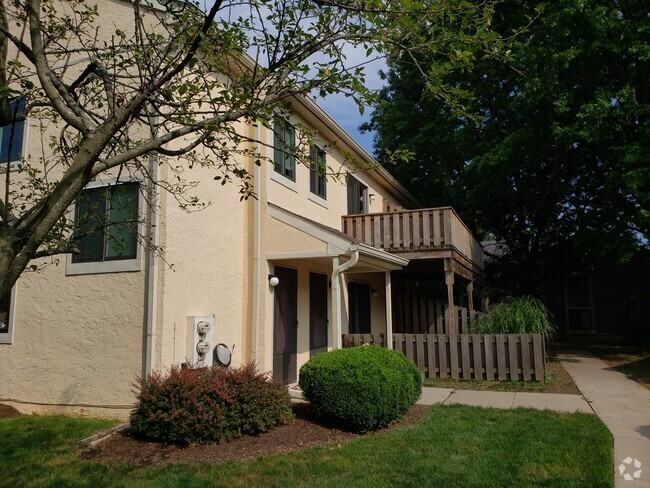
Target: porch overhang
column 337, row 244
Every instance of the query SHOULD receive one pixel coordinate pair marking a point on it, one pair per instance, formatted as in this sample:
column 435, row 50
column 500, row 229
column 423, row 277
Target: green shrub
column 361, row 388
column 188, row 406
column 524, row 315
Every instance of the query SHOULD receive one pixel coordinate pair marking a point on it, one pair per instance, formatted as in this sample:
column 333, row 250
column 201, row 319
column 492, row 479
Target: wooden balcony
column 427, row 233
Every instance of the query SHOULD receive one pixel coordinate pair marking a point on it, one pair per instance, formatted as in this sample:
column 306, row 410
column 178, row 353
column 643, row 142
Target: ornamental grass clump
column 201, row 406
column 522, row 315
column 361, row 388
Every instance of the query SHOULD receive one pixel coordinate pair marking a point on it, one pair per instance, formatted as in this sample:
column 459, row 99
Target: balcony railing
column 415, row 230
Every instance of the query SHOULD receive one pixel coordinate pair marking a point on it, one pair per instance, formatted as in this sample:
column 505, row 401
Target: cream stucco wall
column 206, row 269
column 78, row 341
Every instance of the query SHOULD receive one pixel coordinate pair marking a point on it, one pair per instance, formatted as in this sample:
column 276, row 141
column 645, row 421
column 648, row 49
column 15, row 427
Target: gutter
column 151, row 261
column 336, row 295
column 257, row 257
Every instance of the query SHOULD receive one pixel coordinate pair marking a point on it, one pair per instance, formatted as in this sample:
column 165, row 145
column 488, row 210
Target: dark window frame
column 101, row 231
column 318, row 171
column 13, row 134
column 357, row 196
column 284, row 148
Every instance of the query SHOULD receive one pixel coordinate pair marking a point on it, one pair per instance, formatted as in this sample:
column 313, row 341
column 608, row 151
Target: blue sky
column 346, row 113
column 344, row 110
column 339, row 107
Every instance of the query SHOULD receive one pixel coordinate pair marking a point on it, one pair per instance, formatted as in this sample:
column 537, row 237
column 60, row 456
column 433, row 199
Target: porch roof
column 337, row 243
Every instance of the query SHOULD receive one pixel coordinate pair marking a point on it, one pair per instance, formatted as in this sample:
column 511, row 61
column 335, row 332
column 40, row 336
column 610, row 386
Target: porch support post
column 389, row 312
column 449, row 280
column 336, row 306
column 471, row 314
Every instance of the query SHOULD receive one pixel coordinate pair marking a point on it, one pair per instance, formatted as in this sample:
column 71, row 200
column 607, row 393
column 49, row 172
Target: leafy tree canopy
column 555, row 161
column 168, row 80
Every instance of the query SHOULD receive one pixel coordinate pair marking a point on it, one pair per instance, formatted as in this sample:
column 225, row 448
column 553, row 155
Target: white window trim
column 315, row 197
column 318, row 200
column 279, row 177
column 8, row 338
column 116, row 266
column 284, row 181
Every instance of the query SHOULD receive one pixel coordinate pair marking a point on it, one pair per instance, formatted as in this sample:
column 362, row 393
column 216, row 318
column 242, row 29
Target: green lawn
column 449, row 446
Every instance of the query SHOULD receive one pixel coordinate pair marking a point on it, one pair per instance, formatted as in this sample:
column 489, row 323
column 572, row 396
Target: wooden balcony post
column 449, row 280
column 389, row 313
column 470, row 295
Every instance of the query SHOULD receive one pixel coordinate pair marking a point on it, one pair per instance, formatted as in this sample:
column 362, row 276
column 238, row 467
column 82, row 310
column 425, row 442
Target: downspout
column 257, row 257
column 151, row 261
column 336, row 295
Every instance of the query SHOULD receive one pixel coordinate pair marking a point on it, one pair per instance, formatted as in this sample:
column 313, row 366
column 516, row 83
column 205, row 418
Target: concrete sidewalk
column 623, row 406
column 505, row 399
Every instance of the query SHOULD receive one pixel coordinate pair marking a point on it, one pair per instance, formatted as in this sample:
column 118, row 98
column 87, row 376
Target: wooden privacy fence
column 516, row 357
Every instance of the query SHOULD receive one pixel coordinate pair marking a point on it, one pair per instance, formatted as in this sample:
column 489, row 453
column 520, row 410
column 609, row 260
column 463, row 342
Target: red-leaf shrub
column 188, row 406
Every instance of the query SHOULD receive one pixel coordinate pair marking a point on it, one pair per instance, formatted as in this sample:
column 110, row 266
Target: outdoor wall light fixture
column 372, row 197
column 374, row 293
column 273, row 280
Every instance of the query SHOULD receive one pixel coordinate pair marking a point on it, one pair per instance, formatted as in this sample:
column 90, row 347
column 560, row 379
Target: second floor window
column 284, row 146
column 317, row 172
column 357, row 196
column 106, row 223
column 11, row 135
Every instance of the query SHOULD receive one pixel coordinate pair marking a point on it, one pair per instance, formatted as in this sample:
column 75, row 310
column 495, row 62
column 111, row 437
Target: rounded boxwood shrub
column 361, row 388
column 200, row 406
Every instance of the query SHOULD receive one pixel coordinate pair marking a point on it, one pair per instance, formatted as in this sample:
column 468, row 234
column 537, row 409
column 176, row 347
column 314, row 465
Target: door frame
column 285, row 363
column 325, row 303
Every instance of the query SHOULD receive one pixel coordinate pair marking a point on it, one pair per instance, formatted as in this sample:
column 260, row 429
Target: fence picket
column 408, row 350
column 465, row 356
column 525, row 356
column 419, row 348
column 453, row 356
column 513, row 360
column 538, row 347
column 431, row 356
column 442, row 352
column 501, row 357
column 489, row 357
column 478, row 362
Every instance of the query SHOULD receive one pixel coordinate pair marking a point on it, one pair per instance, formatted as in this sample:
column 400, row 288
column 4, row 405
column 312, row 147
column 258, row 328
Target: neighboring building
column 610, row 306
column 344, row 253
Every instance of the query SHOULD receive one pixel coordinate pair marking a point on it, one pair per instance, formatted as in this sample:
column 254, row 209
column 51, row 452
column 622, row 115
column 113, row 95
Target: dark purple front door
column 285, row 325
column 317, row 313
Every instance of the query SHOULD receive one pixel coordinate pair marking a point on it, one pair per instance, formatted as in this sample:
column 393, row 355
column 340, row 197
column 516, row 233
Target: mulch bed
column 301, row 432
column 7, row 412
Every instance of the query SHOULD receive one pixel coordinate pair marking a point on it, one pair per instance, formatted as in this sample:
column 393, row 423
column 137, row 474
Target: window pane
column 121, row 226
column 278, row 153
column 318, row 168
column 12, row 135
column 90, row 217
column 289, row 148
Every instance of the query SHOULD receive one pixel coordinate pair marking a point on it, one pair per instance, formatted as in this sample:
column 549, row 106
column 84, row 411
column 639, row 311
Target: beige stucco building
column 279, row 277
